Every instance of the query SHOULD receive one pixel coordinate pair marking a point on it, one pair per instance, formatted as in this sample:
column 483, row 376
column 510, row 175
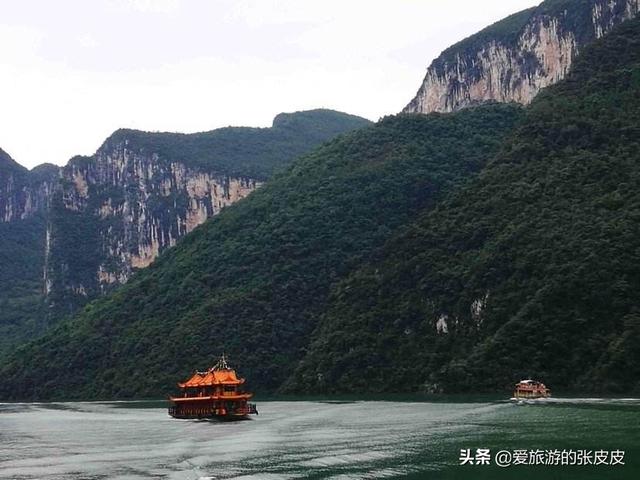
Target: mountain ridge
column 99, row 218
column 435, row 253
column 513, row 59
column 252, row 280
column 527, row 271
column 6, row 162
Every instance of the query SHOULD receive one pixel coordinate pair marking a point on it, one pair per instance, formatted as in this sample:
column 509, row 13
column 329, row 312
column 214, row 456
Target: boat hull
column 212, row 411
column 221, row 418
column 520, row 396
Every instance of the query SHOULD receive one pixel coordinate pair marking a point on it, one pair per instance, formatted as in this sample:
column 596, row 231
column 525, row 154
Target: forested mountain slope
column 253, row 280
column 23, row 206
column 447, row 252
column 70, row 234
column 533, row 269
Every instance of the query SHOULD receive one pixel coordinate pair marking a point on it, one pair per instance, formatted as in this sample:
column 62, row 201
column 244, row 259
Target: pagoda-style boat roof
column 219, row 374
column 214, row 393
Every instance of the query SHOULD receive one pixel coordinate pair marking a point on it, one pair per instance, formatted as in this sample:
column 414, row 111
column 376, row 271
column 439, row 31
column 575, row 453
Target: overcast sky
column 73, row 71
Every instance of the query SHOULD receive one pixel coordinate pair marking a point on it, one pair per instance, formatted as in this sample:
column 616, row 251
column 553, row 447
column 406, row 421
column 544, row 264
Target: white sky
column 73, row 71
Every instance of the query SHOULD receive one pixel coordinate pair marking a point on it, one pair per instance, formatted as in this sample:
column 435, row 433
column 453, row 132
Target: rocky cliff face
column 22, row 193
column 91, row 224
column 124, row 207
column 24, row 202
column 110, row 214
column 513, row 59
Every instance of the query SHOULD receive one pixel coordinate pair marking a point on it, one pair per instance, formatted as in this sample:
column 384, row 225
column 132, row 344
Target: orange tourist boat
column 531, row 389
column 215, row 393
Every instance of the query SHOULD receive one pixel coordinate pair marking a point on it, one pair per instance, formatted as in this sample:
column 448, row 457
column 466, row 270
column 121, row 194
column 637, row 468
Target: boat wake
column 576, row 401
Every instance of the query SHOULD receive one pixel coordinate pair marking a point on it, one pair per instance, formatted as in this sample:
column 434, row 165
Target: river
column 316, row 440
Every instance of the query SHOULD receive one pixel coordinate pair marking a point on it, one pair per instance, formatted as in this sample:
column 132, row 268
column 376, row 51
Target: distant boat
column 215, row 393
column 530, row 389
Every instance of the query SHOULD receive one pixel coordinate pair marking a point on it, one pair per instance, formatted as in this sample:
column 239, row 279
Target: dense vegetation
column 22, row 250
column 243, row 151
column 534, row 266
column 441, row 253
column 21, row 260
column 253, row 280
column 77, row 246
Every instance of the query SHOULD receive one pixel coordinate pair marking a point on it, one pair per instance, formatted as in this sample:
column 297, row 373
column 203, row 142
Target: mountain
column 441, row 252
column 24, row 199
column 72, row 233
column 530, row 270
column 142, row 191
column 8, row 166
column 23, row 193
column 253, row 280
column 513, row 59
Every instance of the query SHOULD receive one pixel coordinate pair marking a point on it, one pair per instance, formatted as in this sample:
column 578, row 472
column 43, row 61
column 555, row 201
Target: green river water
column 324, row 439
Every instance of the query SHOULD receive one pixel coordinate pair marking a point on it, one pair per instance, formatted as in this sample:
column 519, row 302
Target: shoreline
column 346, row 399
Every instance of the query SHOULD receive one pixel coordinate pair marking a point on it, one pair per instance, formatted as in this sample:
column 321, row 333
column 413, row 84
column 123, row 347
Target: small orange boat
column 215, row 393
column 527, row 389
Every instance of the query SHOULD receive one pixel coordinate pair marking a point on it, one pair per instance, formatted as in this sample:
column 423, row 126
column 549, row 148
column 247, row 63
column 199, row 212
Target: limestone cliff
column 513, row 59
column 105, row 216
column 24, row 202
column 91, row 224
column 22, row 193
column 129, row 207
